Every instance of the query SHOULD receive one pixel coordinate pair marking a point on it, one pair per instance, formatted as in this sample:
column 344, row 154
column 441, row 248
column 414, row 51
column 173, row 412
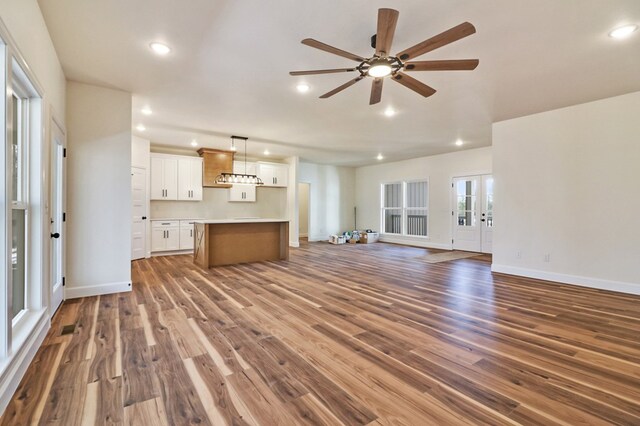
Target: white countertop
column 240, row 220
column 166, row 219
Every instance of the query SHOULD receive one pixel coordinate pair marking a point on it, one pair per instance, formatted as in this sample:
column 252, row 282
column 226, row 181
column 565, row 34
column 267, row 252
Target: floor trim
column 408, row 241
column 597, row 283
column 96, row 290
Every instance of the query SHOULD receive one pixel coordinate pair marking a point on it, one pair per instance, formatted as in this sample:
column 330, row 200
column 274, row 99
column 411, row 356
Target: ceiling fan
column 382, row 64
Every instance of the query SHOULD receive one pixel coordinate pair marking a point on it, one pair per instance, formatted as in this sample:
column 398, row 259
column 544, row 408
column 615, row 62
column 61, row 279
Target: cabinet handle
column 191, row 232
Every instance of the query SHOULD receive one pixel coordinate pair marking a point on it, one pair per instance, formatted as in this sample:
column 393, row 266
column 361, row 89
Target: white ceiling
column 228, row 70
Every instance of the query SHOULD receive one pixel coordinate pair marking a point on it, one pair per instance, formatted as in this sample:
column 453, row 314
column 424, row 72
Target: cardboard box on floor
column 368, row 237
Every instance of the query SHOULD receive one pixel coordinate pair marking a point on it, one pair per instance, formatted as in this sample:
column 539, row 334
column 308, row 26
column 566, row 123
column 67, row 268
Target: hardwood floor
column 365, row 334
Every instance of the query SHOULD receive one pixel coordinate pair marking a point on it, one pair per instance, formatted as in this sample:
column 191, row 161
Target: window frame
column 405, row 208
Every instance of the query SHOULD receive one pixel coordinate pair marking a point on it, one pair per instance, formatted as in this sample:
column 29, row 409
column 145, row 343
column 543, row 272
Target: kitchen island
column 232, row 241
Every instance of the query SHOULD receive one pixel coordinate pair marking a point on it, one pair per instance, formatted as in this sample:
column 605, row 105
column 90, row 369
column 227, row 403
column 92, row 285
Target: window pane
column 466, row 218
column 18, row 260
column 417, row 222
column 15, row 149
column 417, row 194
column 392, row 195
column 393, row 221
column 466, row 187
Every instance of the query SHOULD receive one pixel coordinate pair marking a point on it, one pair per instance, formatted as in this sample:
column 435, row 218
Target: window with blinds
column 405, row 208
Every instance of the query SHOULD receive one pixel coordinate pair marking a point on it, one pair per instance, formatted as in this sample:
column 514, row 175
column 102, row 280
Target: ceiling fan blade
column 413, row 84
column 453, row 34
column 341, row 88
column 322, row 46
column 312, row 72
column 451, row 65
column 376, row 91
column 387, row 20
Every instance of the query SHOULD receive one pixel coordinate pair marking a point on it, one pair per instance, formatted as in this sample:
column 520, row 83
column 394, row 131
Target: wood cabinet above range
column 215, row 162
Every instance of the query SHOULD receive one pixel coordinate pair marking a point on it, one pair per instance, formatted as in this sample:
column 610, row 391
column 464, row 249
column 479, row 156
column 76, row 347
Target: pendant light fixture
column 244, row 178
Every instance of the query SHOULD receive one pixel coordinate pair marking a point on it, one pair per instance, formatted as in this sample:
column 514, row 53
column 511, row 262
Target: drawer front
column 165, row 223
column 186, row 223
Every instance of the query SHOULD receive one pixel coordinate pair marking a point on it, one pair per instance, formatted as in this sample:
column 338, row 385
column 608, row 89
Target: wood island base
column 230, row 242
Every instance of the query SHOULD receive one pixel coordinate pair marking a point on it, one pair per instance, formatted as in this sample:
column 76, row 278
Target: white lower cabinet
column 186, row 235
column 242, row 193
column 165, row 235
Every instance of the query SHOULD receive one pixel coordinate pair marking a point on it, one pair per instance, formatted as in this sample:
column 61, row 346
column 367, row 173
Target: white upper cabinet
column 164, row 178
column 273, row 174
column 242, row 193
column 175, row 177
column 239, row 168
column 190, row 179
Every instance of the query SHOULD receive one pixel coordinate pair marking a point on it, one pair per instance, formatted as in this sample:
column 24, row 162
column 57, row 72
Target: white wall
column 24, row 21
column 99, row 190
column 439, row 170
column 567, row 185
column 331, row 199
column 303, row 209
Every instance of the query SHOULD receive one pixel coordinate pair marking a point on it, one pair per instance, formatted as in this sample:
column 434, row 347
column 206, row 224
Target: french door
column 57, row 215
column 472, row 213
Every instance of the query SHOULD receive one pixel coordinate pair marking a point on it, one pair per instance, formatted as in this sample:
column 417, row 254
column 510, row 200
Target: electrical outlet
column 547, row 257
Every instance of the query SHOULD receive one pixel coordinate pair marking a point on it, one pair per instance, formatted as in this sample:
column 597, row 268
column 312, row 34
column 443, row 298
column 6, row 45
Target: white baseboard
column 73, row 292
column 597, row 283
column 294, row 244
column 415, row 242
column 21, row 360
column 170, row 253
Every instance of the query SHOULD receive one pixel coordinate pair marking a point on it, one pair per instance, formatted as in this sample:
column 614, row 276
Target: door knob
column 56, row 235
column 144, row 218
column 482, row 220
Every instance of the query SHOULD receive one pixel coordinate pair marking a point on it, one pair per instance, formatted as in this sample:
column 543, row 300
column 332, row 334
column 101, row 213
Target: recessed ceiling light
column 140, row 128
column 266, row 152
column 303, row 88
column 389, row 112
column 459, row 142
column 194, row 143
column 160, row 48
column 623, row 32
column 146, row 111
column 380, row 157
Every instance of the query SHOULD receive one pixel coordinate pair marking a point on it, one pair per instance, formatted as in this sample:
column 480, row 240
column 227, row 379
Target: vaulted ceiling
column 228, row 69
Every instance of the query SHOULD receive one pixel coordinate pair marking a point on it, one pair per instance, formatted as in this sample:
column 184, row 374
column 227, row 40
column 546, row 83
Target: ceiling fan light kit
column 382, row 65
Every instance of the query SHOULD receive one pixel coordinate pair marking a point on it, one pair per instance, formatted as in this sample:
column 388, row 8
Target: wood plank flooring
column 339, row 335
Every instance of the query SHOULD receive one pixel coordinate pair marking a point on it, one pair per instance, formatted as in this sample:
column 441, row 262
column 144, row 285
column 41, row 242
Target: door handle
column 56, row 235
column 144, row 218
column 482, row 220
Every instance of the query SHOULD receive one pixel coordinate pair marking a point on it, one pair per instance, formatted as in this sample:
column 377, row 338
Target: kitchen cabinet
column 242, row 193
column 215, row 162
column 186, row 235
column 164, row 177
column 190, row 179
column 274, row 174
column 165, row 235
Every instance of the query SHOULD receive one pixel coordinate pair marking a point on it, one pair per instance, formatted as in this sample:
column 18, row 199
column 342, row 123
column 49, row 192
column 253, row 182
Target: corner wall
column 439, row 169
column 99, row 190
column 566, row 186
column 331, row 199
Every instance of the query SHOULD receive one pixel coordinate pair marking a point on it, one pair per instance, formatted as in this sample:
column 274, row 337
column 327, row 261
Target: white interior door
column 473, row 213
column 486, row 220
column 57, row 217
column 139, row 212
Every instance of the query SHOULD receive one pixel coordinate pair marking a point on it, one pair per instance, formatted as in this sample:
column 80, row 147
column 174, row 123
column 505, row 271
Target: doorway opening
column 303, row 209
